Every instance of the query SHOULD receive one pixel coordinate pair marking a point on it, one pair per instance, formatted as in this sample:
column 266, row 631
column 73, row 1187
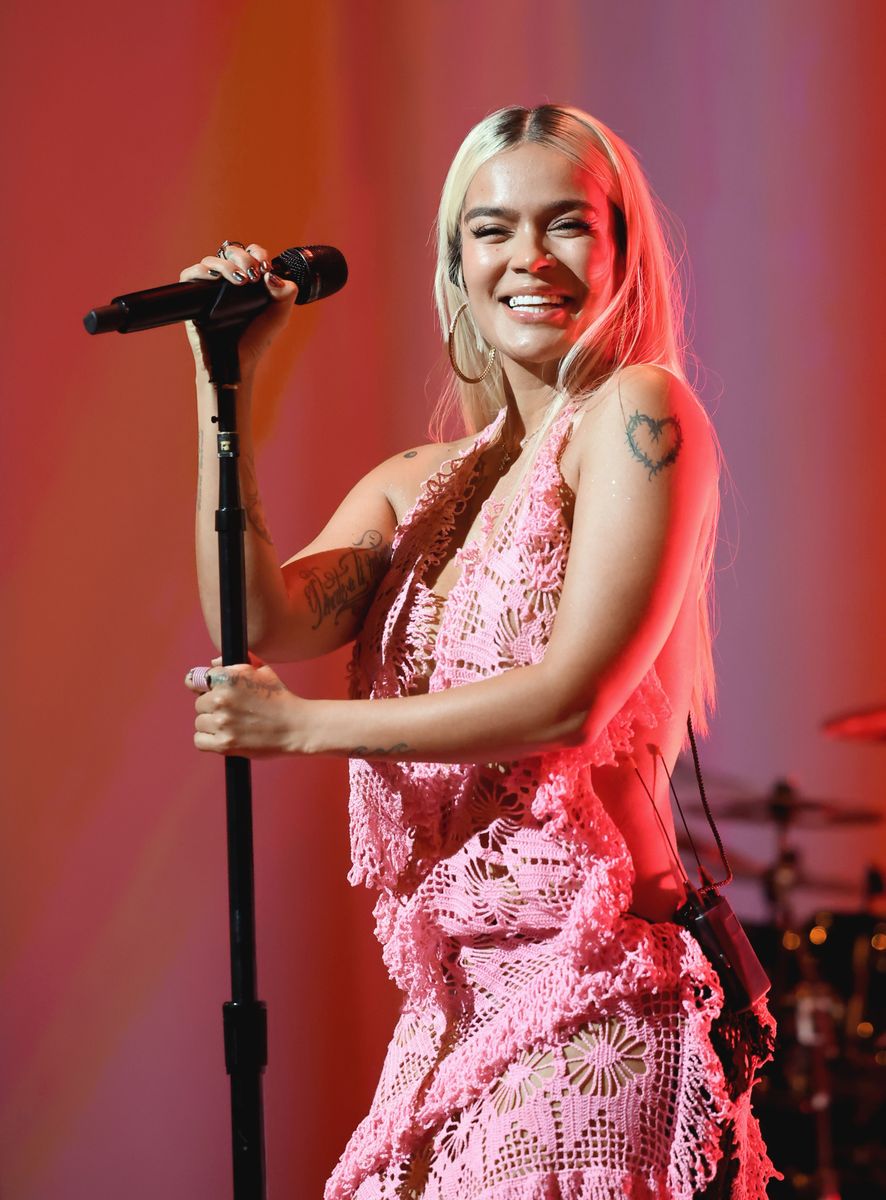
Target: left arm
column 647, row 468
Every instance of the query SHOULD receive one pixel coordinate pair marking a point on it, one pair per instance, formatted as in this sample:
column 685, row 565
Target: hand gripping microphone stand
column 319, row 271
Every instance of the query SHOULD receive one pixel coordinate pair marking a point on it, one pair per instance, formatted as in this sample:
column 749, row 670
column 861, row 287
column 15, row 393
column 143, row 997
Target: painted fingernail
column 265, row 265
column 238, row 278
column 275, row 280
column 214, row 274
column 252, row 273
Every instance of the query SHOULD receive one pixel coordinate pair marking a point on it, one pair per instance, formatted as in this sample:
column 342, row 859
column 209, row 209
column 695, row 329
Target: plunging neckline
column 488, row 521
column 491, row 525
column 418, row 619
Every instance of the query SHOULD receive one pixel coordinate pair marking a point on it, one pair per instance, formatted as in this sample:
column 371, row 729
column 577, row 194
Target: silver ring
column 220, row 253
column 201, row 679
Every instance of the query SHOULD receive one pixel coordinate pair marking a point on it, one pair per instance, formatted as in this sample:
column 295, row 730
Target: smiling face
column 538, row 255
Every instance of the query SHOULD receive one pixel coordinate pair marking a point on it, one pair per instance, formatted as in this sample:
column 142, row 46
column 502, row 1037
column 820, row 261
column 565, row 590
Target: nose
column 530, row 252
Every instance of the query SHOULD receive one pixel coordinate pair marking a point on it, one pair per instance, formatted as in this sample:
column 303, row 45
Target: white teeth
column 535, row 301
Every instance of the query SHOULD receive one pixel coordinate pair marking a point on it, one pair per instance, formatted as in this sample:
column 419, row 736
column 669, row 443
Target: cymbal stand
column 815, row 1026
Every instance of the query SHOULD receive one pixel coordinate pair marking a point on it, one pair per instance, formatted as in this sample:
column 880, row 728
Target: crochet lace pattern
column 550, row 1044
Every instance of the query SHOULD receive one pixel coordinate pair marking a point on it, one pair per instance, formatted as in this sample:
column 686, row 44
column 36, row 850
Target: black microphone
column 318, row 271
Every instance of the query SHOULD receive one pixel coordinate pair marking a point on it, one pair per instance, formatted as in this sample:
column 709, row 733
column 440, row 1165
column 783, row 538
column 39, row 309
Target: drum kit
column 822, row 1102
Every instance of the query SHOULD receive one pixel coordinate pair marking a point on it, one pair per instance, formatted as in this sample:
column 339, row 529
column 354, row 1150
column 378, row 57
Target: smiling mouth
column 527, row 302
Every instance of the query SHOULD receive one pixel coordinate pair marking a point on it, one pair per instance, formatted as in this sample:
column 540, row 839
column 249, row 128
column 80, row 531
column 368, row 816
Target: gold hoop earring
column 459, row 372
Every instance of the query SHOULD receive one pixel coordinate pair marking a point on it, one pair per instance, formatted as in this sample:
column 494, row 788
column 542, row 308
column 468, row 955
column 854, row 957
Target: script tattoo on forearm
column 252, row 501
column 379, row 751
column 654, row 442
column 348, row 585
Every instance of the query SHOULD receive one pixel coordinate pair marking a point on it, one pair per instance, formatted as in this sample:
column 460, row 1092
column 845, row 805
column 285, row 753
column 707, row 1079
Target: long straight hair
column 643, row 322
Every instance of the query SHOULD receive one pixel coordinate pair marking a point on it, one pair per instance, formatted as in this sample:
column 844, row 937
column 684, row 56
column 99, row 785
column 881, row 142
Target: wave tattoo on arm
column 379, row 751
column 348, row 585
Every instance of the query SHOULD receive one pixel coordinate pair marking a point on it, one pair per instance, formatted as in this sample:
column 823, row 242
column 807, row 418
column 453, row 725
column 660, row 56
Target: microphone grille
column 319, row 271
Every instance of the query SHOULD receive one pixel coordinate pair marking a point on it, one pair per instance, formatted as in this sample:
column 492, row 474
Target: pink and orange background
column 135, row 140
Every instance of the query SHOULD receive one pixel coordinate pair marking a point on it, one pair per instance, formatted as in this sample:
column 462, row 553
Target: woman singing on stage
column 529, row 613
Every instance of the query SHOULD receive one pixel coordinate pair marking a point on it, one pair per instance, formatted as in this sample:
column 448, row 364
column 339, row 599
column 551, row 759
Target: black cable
column 706, row 806
column 673, row 849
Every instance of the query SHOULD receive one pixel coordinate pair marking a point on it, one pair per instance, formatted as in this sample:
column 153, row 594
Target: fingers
column 197, row 271
column 212, row 267
column 214, row 725
column 202, row 679
column 205, row 741
column 237, row 267
column 279, row 289
column 242, row 710
column 241, row 265
column 232, row 686
column 198, row 679
column 260, row 255
column 213, row 739
column 236, row 264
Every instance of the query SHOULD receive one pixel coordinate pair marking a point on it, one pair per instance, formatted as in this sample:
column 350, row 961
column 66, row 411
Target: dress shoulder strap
column 451, row 480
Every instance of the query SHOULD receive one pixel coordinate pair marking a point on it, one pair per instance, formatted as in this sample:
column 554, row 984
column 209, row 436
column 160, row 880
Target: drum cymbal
column 742, row 866
column 784, row 806
column 724, row 785
column 808, row 814
column 862, row 725
column 788, row 873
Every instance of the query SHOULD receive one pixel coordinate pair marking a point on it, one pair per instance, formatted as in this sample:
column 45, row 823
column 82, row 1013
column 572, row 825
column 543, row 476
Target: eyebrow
column 511, row 214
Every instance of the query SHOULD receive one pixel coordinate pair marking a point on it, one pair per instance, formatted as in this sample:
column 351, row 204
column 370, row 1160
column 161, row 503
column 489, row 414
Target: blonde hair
column 643, row 322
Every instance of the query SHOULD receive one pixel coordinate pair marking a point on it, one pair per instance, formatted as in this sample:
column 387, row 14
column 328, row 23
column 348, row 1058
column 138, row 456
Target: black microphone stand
column 244, row 1015
column 221, row 311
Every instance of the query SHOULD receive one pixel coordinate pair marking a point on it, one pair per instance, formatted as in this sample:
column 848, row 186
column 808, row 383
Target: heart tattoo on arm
column 655, row 443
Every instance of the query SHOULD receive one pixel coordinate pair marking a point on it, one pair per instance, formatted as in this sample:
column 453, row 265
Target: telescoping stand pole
column 244, row 1015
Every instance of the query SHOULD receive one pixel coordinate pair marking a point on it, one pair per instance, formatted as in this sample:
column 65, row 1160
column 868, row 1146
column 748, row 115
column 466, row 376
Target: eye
column 574, row 223
column 489, row 231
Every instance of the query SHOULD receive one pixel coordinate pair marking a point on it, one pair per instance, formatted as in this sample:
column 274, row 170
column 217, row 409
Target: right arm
column 316, row 601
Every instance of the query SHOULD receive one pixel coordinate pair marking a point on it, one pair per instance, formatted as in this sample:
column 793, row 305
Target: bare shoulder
column 402, row 475
column 647, row 421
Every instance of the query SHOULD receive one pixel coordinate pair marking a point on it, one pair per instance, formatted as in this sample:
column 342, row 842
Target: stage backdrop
column 135, row 140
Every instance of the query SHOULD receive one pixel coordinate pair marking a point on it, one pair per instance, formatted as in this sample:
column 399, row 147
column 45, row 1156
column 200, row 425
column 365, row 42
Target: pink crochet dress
column 549, row 1044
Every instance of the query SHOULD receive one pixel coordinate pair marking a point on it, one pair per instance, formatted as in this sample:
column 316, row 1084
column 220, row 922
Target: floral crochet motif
column 521, row 1079
column 600, row 1060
